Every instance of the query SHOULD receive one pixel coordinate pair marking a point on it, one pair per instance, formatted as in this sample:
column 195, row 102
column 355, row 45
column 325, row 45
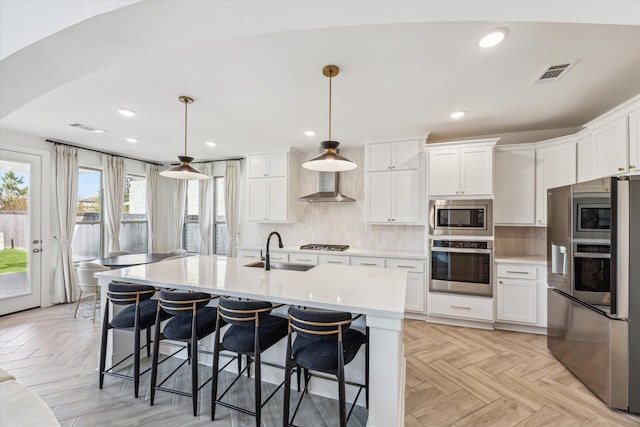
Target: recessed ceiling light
column 131, row 140
column 211, row 143
column 457, row 114
column 493, row 38
column 310, row 132
column 98, row 131
column 126, row 113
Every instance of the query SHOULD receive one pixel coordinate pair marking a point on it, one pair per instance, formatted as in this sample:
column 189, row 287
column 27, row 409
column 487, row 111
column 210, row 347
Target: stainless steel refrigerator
column 593, row 277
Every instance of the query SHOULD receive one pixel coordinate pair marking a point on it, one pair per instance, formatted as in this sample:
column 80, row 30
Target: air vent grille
column 552, row 73
column 87, row 128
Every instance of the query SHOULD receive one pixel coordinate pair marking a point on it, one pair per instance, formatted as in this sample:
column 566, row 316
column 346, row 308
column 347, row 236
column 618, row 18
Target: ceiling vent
column 87, row 128
column 552, row 73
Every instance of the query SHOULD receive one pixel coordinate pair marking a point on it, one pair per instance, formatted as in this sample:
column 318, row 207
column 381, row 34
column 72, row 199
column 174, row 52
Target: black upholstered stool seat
column 253, row 330
column 140, row 314
column 192, row 320
column 324, row 342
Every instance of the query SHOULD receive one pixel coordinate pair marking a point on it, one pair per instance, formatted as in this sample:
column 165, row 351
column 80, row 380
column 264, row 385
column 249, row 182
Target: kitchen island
column 378, row 294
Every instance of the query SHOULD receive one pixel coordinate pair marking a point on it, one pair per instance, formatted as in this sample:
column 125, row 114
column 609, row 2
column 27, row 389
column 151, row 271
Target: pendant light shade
column 184, row 170
column 329, row 160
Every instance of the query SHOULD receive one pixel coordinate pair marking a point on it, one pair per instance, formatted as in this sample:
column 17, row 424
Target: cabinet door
column 378, row 157
column 610, row 144
column 277, row 197
column 404, row 196
column 586, row 165
column 378, row 203
column 257, row 166
column 634, row 141
column 476, row 171
column 514, row 201
column 278, row 164
column 555, row 167
column 516, row 300
column 405, row 154
column 415, row 296
column 257, row 193
column 248, row 255
column 443, row 170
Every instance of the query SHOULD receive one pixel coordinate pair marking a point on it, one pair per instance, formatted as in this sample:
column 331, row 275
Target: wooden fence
column 14, row 226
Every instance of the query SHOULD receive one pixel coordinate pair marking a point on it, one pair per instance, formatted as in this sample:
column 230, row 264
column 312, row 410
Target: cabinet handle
column 500, row 281
column 248, row 256
column 620, row 169
column 518, row 272
column 334, row 262
column 632, row 166
column 461, row 306
column 462, row 192
column 368, row 263
column 404, row 266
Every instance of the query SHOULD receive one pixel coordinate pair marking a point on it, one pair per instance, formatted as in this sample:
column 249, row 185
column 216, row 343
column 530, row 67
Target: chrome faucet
column 267, row 264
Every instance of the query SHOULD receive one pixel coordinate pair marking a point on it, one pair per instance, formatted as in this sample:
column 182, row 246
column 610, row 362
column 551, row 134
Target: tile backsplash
column 520, row 241
column 342, row 223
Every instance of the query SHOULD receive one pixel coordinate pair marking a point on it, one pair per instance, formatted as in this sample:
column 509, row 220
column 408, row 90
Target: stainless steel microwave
column 461, row 217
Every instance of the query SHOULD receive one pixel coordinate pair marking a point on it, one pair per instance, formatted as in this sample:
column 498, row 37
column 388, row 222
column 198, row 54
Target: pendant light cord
column 330, row 78
column 186, row 103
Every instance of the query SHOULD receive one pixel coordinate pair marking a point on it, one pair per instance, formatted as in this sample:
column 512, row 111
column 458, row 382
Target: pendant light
column 184, row 170
column 329, row 160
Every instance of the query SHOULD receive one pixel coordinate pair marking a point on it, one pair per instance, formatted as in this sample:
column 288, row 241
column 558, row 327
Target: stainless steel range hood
column 329, row 183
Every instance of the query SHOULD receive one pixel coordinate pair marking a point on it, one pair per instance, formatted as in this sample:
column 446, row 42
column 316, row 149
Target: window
column 87, row 238
column 191, row 233
column 134, row 229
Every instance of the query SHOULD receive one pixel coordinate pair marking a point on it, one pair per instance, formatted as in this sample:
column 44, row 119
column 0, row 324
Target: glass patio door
column 20, row 231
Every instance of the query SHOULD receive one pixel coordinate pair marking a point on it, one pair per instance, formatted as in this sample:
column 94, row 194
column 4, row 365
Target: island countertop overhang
column 364, row 290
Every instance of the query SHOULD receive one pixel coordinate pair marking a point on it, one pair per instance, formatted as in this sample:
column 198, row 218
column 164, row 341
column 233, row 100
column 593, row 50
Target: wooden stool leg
column 75, row 313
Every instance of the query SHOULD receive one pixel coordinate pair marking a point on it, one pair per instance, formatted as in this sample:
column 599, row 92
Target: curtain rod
column 103, row 152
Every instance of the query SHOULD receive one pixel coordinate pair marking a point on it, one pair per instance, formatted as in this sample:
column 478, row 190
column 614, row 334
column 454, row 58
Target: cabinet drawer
column 411, row 265
column 303, row 259
column 468, row 307
column 367, row 262
column 248, row 255
column 333, row 259
column 279, row 257
column 517, row 271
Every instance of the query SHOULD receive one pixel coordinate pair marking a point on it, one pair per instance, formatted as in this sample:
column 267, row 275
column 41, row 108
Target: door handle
column 36, row 250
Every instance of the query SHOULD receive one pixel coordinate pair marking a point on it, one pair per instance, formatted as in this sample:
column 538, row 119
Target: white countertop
column 366, row 290
column 524, row 259
column 378, row 253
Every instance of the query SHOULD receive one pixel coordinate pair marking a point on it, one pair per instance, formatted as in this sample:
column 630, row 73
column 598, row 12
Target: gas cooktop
column 323, row 247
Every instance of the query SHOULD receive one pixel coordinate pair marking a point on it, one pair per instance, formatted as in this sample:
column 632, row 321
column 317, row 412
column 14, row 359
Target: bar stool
column 252, row 331
column 138, row 316
column 192, row 321
column 325, row 343
column 88, row 283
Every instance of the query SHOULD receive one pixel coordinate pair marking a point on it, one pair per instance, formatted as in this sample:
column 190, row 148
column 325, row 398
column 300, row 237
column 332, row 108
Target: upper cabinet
column 386, row 156
column 515, row 174
column 271, row 180
column 268, row 164
column 610, row 143
column 555, row 167
column 393, row 177
column 461, row 169
column 634, row 141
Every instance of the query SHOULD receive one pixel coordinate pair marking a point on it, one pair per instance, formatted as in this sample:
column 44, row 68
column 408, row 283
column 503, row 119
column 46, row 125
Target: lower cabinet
column 521, row 294
column 468, row 307
column 415, row 297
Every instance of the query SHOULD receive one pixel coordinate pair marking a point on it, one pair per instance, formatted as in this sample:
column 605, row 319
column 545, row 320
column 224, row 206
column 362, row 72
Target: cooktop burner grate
column 323, row 247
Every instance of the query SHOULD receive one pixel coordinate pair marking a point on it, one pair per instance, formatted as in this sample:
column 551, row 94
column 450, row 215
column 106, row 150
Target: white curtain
column 179, row 211
column 113, row 184
column 231, row 183
column 67, row 199
column 205, row 213
column 153, row 205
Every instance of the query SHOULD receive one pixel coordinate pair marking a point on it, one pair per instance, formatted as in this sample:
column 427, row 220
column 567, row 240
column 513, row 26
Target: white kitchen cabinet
column 271, row 184
column 393, row 183
column 555, row 167
column 248, row 255
column 333, row 259
column 610, row 143
column 461, row 169
column 521, row 294
column 415, row 297
column 393, row 197
column 302, row 258
column 466, row 307
column 514, row 199
column 634, row 141
column 396, row 155
column 367, row 261
column 585, row 161
column 267, row 164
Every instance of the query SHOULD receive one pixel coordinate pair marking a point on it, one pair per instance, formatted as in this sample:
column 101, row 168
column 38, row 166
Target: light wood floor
column 455, row 376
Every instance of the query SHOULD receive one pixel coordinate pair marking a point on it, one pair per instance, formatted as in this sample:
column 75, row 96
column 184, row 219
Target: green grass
column 13, row 261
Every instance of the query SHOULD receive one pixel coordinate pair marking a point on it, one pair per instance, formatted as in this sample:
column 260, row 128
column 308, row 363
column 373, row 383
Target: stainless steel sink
column 282, row 266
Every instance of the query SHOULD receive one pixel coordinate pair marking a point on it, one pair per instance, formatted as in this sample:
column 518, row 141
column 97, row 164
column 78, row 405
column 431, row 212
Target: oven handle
column 461, row 250
column 591, row 255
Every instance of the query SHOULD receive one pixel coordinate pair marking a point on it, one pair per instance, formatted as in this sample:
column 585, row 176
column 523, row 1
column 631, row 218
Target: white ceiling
column 254, row 70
